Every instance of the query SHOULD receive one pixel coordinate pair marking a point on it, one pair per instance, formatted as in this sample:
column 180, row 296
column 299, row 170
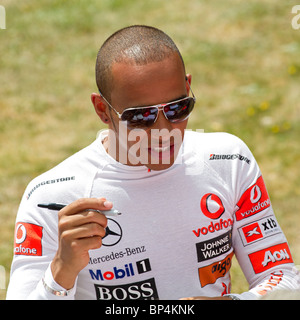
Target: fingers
column 85, row 231
column 84, row 204
column 86, row 244
column 77, row 214
column 82, row 218
column 80, row 230
column 76, row 222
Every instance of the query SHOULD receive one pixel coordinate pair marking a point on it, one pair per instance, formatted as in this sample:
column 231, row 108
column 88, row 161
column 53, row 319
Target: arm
column 49, row 256
column 260, row 245
column 257, row 239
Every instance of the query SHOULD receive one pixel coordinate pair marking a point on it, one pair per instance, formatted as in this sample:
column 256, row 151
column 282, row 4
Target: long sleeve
column 35, row 245
column 259, row 243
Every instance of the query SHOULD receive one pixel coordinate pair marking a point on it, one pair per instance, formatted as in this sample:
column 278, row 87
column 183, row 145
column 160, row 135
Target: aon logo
column 270, row 257
column 275, row 256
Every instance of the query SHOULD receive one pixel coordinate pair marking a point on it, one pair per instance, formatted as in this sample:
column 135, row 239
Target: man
column 189, row 200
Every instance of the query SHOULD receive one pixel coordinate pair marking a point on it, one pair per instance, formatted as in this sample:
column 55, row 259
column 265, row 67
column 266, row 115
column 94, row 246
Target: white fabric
column 172, row 239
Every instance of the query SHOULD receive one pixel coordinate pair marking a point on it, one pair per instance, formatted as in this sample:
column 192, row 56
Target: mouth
column 164, row 153
column 161, row 149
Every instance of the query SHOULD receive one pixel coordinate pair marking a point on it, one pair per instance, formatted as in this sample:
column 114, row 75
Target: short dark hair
column 137, row 44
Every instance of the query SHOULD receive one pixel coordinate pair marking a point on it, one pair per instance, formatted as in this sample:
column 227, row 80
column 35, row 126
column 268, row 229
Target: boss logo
column 142, row 290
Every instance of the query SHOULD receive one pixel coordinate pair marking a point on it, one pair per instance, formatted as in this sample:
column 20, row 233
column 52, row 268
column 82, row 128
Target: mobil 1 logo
column 142, row 290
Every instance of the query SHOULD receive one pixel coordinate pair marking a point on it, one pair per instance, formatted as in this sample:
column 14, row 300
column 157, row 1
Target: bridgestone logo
column 52, row 181
column 229, row 157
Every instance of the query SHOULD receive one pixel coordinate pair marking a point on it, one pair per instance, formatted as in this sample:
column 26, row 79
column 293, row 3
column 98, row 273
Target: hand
column 79, row 231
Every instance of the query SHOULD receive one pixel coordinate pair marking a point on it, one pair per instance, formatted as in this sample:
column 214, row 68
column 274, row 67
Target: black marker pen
column 57, row 207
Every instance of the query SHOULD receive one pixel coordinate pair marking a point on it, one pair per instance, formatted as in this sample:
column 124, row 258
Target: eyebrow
column 147, row 105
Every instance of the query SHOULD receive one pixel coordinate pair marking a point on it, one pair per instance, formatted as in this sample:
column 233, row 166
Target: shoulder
column 216, row 143
column 68, row 180
column 224, row 156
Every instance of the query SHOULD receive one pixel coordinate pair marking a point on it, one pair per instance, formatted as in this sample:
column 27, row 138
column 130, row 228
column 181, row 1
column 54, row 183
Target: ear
column 100, row 107
column 188, row 78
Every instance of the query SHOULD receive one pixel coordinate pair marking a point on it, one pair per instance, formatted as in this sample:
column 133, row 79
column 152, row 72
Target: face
column 155, row 83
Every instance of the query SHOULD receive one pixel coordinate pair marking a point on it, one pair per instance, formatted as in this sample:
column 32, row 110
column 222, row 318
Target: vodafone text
column 213, row 227
column 254, row 200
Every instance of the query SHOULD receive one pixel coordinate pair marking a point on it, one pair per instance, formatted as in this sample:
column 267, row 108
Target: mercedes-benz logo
column 113, row 233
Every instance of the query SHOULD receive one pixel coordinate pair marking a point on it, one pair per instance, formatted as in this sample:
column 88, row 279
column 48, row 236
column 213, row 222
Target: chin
column 159, row 167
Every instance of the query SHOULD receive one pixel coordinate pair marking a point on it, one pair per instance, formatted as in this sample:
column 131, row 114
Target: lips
column 162, row 152
column 161, row 149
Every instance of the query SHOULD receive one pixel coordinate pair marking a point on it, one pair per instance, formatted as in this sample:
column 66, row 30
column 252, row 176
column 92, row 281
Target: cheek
column 137, row 138
column 173, row 133
column 140, row 138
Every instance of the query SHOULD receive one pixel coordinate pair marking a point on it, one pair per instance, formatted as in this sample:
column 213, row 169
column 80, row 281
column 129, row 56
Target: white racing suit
column 178, row 231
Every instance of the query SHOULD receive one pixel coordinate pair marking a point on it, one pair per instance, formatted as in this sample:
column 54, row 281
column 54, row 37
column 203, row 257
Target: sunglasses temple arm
column 190, row 88
column 116, row 112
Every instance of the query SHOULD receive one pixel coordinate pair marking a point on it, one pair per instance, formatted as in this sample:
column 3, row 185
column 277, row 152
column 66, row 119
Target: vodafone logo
column 20, row 234
column 255, row 194
column 211, row 206
column 28, row 239
column 254, row 200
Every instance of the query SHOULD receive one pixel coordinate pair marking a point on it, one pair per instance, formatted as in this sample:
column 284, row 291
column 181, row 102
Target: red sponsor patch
column 270, row 257
column 28, row 239
column 254, row 200
column 252, row 232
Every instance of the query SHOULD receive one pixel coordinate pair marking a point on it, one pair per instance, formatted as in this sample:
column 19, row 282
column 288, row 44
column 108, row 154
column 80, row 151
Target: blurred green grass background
column 244, row 57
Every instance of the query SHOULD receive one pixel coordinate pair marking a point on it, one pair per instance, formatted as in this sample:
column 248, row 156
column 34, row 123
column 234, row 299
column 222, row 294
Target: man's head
column 136, row 67
column 138, row 45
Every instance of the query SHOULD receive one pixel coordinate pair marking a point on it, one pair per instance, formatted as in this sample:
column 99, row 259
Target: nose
column 155, row 133
column 161, row 122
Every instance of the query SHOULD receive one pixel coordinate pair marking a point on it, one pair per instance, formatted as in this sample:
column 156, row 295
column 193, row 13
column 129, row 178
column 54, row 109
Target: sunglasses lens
column 145, row 117
column 136, row 118
column 179, row 111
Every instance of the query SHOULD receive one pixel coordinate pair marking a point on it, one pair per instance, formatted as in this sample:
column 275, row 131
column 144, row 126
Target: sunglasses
column 175, row 111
